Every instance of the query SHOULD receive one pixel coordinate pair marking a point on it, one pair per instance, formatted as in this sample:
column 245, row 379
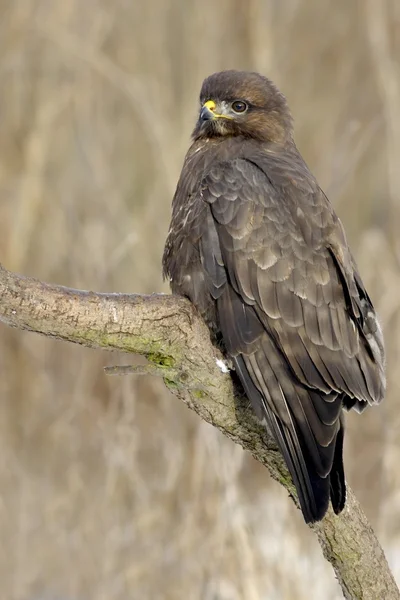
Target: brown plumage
column 255, row 244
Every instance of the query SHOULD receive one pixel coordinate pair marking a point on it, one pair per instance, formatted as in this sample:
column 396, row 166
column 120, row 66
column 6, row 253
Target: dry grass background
column 109, row 488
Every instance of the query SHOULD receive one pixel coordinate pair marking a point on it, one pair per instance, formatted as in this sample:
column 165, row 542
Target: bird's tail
column 313, row 490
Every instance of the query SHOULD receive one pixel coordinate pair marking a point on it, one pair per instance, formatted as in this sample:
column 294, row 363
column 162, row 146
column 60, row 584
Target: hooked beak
column 207, row 111
column 210, row 111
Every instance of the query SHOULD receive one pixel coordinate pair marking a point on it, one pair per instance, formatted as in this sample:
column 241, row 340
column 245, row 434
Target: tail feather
column 313, row 490
column 337, row 479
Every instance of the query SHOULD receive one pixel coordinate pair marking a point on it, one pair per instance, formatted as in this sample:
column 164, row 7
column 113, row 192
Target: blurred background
column 109, row 487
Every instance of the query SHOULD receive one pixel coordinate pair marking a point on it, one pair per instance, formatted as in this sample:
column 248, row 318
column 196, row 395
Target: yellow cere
column 210, row 104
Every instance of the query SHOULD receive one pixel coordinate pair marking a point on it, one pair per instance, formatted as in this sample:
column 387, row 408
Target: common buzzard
column 256, row 246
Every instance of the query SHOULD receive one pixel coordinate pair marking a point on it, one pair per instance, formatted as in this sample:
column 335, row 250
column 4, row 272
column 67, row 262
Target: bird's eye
column 239, row 106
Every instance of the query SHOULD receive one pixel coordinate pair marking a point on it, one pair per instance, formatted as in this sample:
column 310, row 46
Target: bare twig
column 168, row 331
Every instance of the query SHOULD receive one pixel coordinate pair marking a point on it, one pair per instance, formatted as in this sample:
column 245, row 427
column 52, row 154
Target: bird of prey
column 256, row 246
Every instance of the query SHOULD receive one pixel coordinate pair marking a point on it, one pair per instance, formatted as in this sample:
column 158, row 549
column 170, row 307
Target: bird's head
column 238, row 103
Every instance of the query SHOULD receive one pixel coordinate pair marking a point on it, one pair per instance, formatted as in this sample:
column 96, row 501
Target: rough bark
column 168, row 331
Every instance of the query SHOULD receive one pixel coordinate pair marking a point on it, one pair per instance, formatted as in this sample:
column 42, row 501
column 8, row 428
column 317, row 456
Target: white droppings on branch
column 222, row 365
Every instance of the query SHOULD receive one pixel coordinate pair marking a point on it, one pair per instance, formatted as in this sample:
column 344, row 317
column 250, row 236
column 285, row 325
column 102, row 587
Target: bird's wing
column 294, row 312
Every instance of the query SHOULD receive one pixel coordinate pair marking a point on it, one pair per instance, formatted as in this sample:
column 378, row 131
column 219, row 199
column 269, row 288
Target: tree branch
column 169, row 332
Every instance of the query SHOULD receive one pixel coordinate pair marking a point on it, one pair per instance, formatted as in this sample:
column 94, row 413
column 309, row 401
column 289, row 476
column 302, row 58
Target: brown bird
column 256, row 246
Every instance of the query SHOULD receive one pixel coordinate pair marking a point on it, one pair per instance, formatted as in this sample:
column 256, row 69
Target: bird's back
column 257, row 247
